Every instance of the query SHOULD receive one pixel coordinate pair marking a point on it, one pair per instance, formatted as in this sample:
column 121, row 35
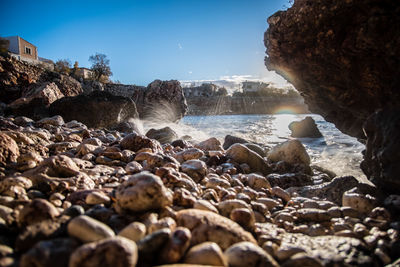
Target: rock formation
column 343, row 58
column 305, row 128
column 341, row 55
column 98, row 109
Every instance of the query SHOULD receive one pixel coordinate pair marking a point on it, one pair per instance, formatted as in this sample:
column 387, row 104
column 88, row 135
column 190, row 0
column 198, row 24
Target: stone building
column 249, row 86
column 206, row 89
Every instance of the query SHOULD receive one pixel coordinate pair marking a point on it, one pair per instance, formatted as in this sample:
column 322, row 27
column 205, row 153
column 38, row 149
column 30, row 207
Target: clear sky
column 149, row 39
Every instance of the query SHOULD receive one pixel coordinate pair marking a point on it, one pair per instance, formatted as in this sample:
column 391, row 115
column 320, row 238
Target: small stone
column 257, row 182
column 55, row 121
column 244, row 217
column 207, row 253
column 9, row 150
column 313, row 215
column 88, row 229
column 134, row 231
column 151, row 244
column 211, row 144
column 74, row 210
column 302, row 260
column 292, row 152
column 142, row 192
column 176, row 246
column 248, row 254
column 195, row 168
column 164, row 135
column 362, row 203
column 188, row 154
column 95, row 198
column 268, row 202
column 114, row 251
column 225, row 207
column 133, row 167
column 136, row 142
column 166, row 222
column 279, row 192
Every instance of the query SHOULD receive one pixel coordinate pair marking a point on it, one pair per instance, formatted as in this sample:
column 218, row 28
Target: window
column 28, row 50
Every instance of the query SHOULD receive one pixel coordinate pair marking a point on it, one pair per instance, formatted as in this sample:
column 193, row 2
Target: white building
column 249, row 86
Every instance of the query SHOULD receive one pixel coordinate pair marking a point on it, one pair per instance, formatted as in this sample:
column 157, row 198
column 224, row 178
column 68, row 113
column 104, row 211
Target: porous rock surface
column 340, row 56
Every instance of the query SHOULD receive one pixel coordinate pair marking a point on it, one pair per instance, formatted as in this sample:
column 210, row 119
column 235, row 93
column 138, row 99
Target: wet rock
column 292, row 152
column 208, row 226
column 98, row 109
column 207, row 253
column 241, row 154
column 9, row 151
column 136, row 142
column 36, row 211
column 129, row 126
column 87, row 229
column 360, row 202
column 305, row 128
column 248, row 254
column 113, row 252
column 47, row 253
column 195, row 168
column 133, row 231
column 142, row 192
column 164, row 135
column 211, row 144
column 230, row 140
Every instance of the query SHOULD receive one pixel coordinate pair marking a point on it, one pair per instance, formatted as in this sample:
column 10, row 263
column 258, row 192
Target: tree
column 100, row 67
column 222, row 91
column 63, row 66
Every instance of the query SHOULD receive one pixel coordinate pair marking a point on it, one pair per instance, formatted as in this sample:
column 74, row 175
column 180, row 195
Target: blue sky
column 148, row 39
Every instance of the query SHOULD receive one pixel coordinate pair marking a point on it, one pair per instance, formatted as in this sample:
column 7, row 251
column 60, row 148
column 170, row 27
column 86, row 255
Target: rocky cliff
column 343, row 56
column 27, row 90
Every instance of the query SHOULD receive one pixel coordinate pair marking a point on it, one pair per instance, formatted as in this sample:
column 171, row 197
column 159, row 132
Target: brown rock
column 9, row 151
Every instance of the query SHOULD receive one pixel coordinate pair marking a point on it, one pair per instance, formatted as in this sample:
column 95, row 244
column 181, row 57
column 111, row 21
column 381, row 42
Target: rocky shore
column 78, row 196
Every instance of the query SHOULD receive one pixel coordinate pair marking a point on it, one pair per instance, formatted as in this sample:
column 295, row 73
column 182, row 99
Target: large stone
column 9, row 150
column 230, row 140
column 292, row 152
column 382, row 154
column 164, row 135
column 241, row 154
column 142, row 192
column 47, row 92
column 305, row 128
column 98, row 109
column 111, row 252
column 208, row 226
column 344, row 70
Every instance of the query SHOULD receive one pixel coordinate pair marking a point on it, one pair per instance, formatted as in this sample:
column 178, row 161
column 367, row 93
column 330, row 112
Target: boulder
column 344, row 70
column 382, row 153
column 292, row 152
column 161, row 100
column 163, row 135
column 209, row 226
column 241, row 154
column 230, row 140
column 98, row 109
column 305, row 128
column 111, row 252
column 142, row 192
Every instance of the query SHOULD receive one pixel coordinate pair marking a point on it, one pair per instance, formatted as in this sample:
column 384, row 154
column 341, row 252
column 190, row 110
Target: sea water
column 335, row 151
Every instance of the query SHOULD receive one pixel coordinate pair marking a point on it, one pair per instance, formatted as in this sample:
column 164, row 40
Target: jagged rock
column 241, row 154
column 381, row 156
column 305, row 128
column 47, row 92
column 142, row 192
column 208, row 226
column 98, row 109
column 164, row 135
column 115, row 251
column 292, row 152
column 9, row 150
column 161, row 100
column 344, row 70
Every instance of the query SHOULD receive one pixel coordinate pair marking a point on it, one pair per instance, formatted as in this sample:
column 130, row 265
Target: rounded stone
column 37, row 210
column 207, row 253
column 292, row 152
column 195, row 168
column 248, row 254
column 134, row 231
column 88, row 229
column 142, row 192
column 111, row 252
column 95, row 198
column 241, row 154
